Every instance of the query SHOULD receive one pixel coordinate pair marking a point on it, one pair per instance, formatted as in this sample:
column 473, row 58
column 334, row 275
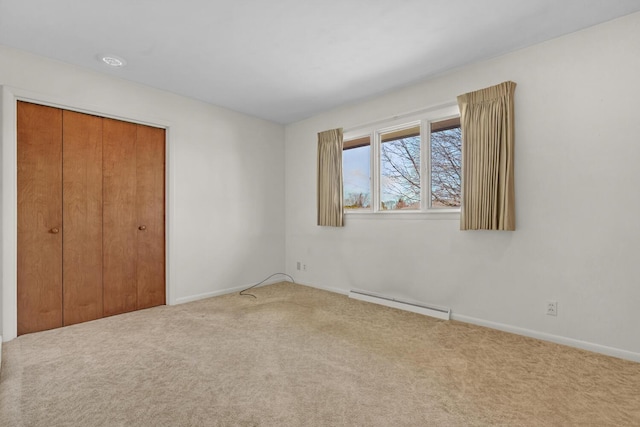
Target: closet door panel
column 150, row 182
column 119, row 217
column 82, row 213
column 39, row 189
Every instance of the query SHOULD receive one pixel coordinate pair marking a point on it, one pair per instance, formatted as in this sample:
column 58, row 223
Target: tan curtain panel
column 488, row 198
column 330, row 200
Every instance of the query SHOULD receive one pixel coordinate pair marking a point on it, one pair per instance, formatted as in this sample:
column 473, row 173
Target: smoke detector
column 113, row 60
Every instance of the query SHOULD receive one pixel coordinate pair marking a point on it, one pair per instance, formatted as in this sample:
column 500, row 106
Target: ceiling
column 285, row 60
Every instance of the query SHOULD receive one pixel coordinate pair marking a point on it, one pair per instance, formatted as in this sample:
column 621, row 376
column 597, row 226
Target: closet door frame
column 9, row 97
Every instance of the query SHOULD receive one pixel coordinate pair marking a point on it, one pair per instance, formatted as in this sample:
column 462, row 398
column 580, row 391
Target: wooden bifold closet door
column 133, row 262
column 81, row 217
column 39, row 218
column 90, row 217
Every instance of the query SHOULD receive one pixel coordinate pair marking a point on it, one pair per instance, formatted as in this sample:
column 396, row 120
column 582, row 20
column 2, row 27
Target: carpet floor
column 298, row 356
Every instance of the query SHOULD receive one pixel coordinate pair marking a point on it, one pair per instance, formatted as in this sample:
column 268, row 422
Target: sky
column 356, row 170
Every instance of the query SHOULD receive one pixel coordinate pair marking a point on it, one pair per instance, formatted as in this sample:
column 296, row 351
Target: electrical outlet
column 304, row 267
column 298, row 265
column 552, row 308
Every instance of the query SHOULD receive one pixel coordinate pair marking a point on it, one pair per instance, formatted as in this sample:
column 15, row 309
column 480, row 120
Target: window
column 356, row 173
column 446, row 163
column 400, row 169
column 410, row 165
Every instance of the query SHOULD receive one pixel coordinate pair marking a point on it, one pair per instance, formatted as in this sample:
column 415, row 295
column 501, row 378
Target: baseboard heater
column 433, row 311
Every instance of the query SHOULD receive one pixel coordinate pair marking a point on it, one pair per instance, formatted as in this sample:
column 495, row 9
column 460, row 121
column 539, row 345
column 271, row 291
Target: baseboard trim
column 226, row 291
column 570, row 342
column 324, row 288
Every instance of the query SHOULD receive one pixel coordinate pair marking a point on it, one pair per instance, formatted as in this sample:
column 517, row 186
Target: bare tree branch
column 401, row 168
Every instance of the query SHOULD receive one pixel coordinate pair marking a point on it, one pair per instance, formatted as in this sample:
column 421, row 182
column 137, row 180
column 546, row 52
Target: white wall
column 577, row 191
column 226, row 177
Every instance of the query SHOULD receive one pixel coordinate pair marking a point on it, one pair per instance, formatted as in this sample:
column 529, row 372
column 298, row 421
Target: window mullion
column 425, row 165
column 375, row 171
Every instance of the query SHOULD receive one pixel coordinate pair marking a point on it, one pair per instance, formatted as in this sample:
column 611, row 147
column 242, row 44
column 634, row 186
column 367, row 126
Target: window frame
column 377, row 155
column 375, row 131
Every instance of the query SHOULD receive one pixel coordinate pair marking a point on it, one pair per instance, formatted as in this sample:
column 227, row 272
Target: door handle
column 142, row 227
column 54, row 230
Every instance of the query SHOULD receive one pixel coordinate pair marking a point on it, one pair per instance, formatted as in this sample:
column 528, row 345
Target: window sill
column 440, row 214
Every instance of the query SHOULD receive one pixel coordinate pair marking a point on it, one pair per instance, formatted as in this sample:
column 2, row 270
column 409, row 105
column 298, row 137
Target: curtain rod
column 401, row 116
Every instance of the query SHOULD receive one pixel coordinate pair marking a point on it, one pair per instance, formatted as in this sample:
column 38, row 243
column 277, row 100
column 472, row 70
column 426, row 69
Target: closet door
column 103, row 180
column 82, row 214
column 150, row 166
column 120, row 226
column 39, row 217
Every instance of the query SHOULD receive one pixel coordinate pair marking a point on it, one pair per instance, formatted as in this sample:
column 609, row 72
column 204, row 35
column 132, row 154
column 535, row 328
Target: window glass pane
column 446, row 143
column 400, row 169
column 356, row 166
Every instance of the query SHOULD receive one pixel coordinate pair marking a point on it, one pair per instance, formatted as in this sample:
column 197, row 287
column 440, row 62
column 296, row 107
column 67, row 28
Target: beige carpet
column 298, row 356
